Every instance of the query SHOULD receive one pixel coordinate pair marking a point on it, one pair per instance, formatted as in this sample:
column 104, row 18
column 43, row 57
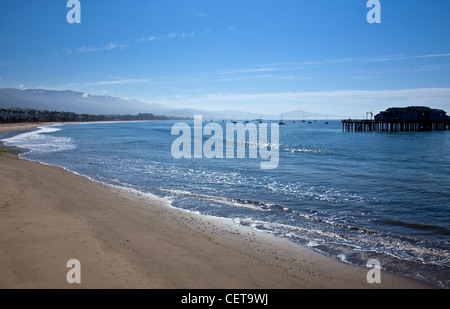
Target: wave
column 404, row 249
column 305, row 150
column 420, row 226
column 230, row 201
column 244, row 203
column 40, row 141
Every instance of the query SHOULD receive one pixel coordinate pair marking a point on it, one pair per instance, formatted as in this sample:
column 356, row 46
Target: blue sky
column 321, row 56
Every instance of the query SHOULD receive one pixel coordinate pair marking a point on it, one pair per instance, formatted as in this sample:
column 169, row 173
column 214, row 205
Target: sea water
column 351, row 196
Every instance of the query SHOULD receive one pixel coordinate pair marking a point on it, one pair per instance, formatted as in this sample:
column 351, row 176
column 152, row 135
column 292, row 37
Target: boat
column 281, row 123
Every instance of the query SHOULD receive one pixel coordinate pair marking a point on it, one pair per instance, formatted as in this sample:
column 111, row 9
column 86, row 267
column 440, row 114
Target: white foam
column 40, row 141
column 342, row 258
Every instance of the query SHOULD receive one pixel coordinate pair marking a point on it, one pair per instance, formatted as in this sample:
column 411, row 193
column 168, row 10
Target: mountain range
column 83, row 103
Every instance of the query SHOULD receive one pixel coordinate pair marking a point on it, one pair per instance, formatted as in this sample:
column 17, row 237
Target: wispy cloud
column 90, row 49
column 265, row 71
column 302, row 70
column 147, row 39
column 122, row 81
column 170, row 35
column 261, row 76
column 429, row 68
column 382, row 58
column 150, row 38
column 113, row 80
column 237, row 78
column 200, row 14
column 250, row 70
column 108, row 47
column 403, row 57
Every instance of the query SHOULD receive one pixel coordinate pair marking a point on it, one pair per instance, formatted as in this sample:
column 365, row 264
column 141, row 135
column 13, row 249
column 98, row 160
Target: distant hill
column 73, row 102
column 83, row 103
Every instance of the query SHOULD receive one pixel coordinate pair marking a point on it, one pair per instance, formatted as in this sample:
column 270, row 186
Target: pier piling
column 352, row 125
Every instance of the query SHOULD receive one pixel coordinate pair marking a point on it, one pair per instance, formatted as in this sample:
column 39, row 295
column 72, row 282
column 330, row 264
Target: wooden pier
column 352, row 125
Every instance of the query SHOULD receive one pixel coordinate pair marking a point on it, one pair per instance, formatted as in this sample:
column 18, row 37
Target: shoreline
column 8, row 127
column 127, row 239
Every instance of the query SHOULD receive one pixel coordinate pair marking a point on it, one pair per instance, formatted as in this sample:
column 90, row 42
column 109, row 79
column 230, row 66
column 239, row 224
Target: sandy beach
column 128, row 240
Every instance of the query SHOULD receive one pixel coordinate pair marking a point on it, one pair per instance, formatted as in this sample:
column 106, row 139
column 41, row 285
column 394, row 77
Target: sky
column 260, row 56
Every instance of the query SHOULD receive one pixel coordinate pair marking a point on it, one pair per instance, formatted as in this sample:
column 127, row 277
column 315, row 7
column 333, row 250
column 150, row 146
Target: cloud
column 21, row 86
column 122, row 81
column 200, row 14
column 147, row 39
column 116, row 80
column 304, row 70
column 382, row 58
column 109, row 47
column 250, row 70
column 170, row 35
column 115, row 45
column 402, row 57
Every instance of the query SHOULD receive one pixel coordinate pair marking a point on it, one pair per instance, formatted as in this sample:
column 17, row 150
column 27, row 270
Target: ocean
column 350, row 196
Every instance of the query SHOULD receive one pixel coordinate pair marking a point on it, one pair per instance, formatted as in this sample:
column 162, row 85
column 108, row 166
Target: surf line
column 235, row 138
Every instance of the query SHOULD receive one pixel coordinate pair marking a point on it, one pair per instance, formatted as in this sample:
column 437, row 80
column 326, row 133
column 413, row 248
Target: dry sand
column 124, row 239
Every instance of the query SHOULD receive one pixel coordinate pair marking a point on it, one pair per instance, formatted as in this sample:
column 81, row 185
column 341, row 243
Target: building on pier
column 412, row 118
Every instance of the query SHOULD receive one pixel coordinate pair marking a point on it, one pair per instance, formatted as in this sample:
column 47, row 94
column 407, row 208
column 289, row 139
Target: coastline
column 7, row 127
column 124, row 239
